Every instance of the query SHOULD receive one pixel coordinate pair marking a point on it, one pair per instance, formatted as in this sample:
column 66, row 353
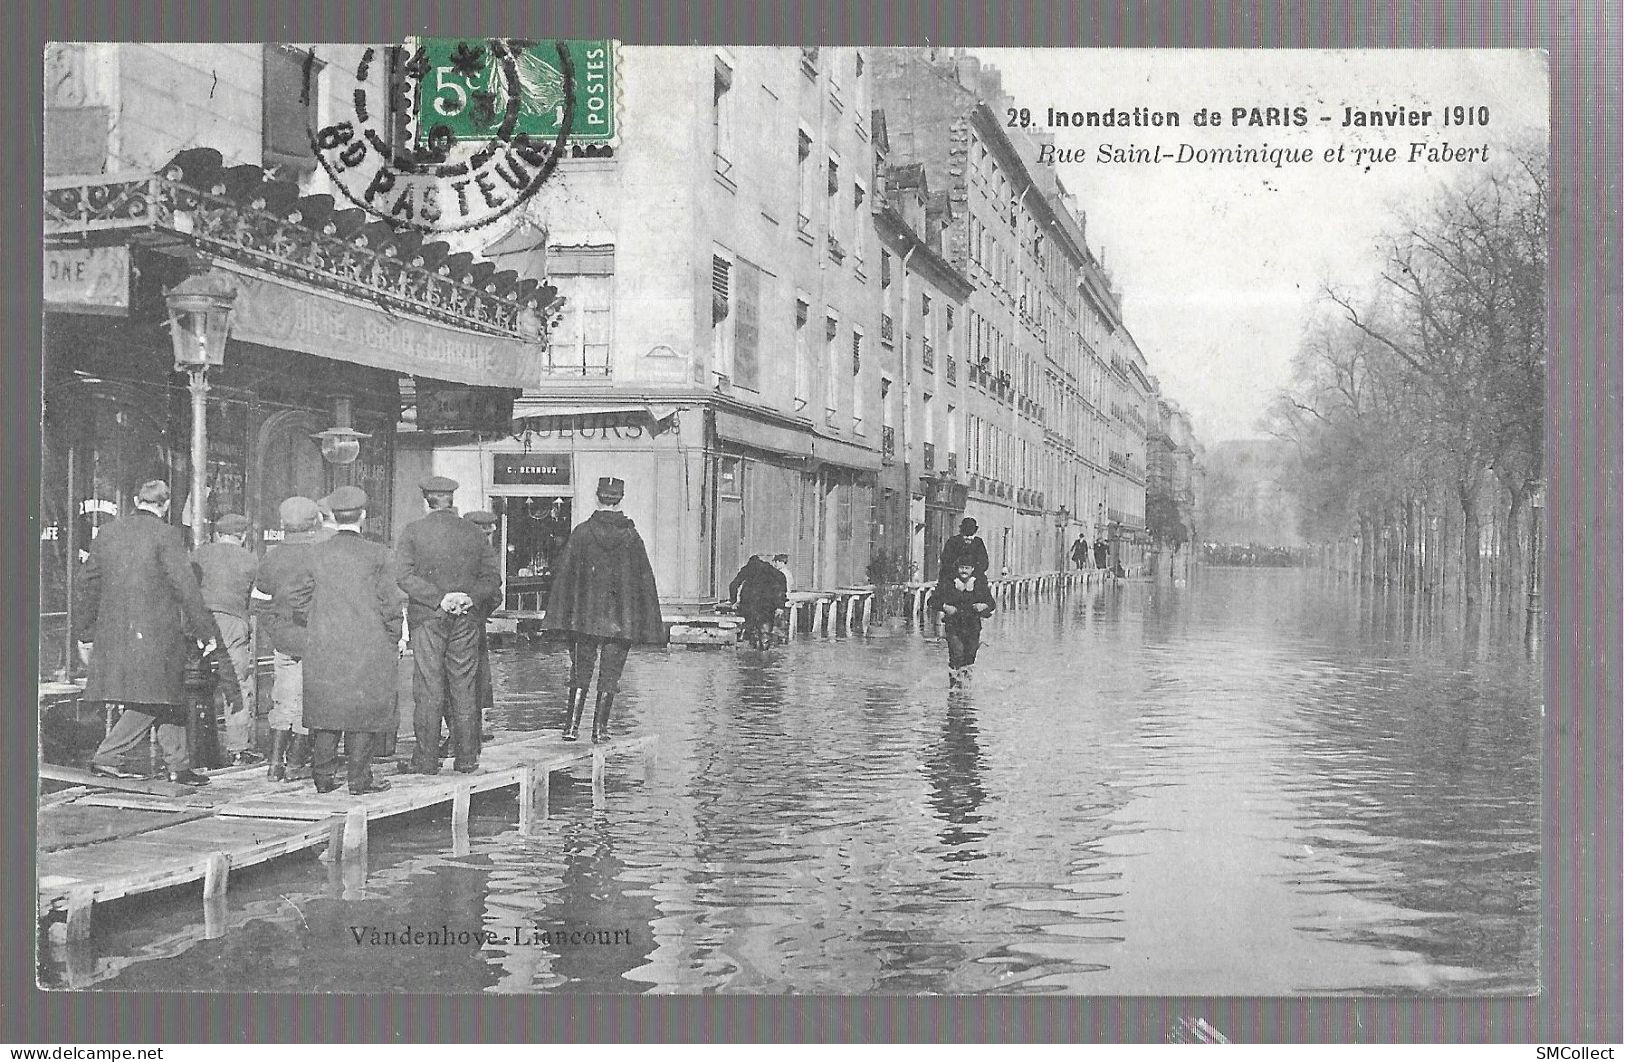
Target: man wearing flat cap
column 352, row 610
column 284, row 563
column 447, row 569
column 225, row 572
column 604, row 598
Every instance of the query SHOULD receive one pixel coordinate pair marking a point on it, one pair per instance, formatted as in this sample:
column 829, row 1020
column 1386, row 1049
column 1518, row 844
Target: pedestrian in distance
column 1101, row 553
column 225, row 570
column 1080, row 553
column 445, row 566
column 967, row 545
column 604, row 598
column 352, row 606
column 283, row 566
column 964, row 599
column 139, row 607
column 758, row 592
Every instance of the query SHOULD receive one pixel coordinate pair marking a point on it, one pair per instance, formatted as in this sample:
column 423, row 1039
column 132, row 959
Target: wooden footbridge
column 128, row 838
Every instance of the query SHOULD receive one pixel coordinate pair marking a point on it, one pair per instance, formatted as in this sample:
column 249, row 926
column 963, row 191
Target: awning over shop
column 317, row 276
column 276, row 314
column 836, row 452
column 761, row 435
column 540, row 414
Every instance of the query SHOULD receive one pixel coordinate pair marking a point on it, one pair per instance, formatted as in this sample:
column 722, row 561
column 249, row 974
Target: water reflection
column 1261, row 782
column 954, row 765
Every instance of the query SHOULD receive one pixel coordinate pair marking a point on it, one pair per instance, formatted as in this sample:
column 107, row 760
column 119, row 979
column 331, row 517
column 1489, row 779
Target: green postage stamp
column 463, row 88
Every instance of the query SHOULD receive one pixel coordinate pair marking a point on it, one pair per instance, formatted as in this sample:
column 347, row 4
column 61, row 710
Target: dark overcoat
column 965, row 619
column 957, row 549
column 442, row 554
column 138, row 601
column 758, row 589
column 353, row 624
column 604, row 585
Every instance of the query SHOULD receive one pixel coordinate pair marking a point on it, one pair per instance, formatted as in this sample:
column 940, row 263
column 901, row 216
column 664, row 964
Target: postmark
column 455, row 143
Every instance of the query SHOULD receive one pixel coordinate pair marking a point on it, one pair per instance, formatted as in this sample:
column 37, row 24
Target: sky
column 1222, row 266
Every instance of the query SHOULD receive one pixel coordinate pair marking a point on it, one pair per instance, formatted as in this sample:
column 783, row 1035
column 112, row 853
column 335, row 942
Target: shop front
column 540, row 477
column 330, row 312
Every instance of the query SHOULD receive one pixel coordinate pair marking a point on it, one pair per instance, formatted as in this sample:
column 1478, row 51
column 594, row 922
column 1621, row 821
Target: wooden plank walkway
column 242, row 819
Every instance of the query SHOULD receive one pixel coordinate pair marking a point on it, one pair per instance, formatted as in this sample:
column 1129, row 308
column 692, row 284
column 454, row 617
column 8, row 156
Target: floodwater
column 1264, row 782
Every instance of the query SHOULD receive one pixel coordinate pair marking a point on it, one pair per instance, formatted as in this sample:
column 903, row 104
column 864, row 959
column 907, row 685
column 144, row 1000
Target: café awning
column 317, row 275
column 549, row 414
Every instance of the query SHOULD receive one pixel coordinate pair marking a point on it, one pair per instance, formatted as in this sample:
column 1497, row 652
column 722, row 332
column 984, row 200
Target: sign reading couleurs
column 533, row 469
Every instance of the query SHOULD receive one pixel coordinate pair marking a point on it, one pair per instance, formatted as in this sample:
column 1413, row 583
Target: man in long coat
column 353, row 626
column 446, row 566
column 138, row 602
column 604, row 598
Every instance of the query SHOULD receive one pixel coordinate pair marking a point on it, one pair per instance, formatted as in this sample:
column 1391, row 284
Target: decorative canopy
column 245, row 214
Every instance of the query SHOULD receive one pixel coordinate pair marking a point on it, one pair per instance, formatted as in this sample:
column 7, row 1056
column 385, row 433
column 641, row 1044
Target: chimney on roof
column 967, row 69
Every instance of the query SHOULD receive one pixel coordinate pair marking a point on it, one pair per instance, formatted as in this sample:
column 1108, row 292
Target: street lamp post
column 199, row 322
column 200, row 310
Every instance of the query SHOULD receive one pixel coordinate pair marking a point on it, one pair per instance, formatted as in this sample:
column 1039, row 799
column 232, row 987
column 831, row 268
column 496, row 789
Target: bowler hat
column 299, row 513
column 482, row 517
column 347, row 499
column 230, row 524
column 967, row 526
column 438, row 485
column 611, row 489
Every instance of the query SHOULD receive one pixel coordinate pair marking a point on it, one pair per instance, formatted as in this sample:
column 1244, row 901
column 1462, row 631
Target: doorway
column 531, row 535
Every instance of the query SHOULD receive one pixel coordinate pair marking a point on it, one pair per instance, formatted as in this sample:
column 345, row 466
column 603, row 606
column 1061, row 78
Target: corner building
column 719, row 343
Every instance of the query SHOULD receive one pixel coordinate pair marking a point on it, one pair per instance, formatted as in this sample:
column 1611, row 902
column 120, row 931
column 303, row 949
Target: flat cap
column 347, row 499
column 482, row 517
column 438, row 485
column 299, row 513
column 230, row 524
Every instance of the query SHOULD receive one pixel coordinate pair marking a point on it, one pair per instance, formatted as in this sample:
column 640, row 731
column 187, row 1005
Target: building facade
column 719, row 347
column 1039, row 321
column 166, row 160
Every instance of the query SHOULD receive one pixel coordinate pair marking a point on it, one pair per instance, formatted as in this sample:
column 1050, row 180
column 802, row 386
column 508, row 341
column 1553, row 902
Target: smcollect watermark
column 536, row 935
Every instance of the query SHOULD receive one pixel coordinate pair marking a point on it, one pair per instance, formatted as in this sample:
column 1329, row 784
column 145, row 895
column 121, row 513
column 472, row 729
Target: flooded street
column 1261, row 783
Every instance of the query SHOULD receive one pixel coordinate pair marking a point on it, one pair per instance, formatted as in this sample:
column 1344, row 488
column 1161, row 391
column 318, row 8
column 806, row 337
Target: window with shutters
column 585, row 278
column 285, row 136
column 832, row 374
column 746, row 302
column 857, row 387
column 721, row 308
column 860, row 224
column 722, row 122
column 803, row 353
column 804, row 185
